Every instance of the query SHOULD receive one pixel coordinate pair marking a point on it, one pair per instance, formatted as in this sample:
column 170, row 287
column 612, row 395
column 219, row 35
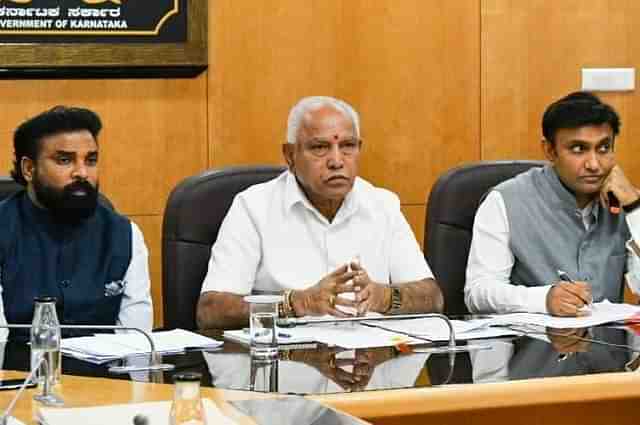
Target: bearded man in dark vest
column 557, row 238
column 60, row 238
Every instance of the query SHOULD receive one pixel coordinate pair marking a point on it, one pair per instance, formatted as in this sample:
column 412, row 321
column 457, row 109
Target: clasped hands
column 323, row 297
column 350, row 372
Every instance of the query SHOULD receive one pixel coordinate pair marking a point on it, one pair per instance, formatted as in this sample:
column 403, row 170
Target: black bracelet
column 632, row 206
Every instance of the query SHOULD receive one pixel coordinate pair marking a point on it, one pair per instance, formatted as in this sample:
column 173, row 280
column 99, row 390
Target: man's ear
column 27, row 165
column 549, row 150
column 288, row 153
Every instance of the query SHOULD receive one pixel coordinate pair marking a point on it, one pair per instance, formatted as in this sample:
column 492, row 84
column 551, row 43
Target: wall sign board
column 102, row 38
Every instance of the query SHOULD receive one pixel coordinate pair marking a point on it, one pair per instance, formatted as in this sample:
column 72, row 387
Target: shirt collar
column 567, row 199
column 294, row 195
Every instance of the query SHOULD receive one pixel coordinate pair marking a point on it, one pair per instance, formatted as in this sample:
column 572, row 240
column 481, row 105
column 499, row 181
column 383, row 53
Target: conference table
column 548, row 376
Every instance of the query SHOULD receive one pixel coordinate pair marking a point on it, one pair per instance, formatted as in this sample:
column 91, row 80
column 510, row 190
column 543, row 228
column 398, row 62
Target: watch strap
column 396, row 300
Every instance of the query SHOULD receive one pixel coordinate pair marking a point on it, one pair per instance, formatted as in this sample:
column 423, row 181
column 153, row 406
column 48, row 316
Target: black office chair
column 451, row 209
column 194, row 213
column 8, row 187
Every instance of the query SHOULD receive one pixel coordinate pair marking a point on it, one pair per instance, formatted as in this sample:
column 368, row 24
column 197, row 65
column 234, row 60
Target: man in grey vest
column 554, row 239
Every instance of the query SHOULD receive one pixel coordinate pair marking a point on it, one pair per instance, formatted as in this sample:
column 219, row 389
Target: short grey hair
column 312, row 103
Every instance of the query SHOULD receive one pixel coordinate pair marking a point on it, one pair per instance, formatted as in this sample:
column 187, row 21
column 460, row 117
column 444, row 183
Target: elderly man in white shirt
column 316, row 233
column 578, row 215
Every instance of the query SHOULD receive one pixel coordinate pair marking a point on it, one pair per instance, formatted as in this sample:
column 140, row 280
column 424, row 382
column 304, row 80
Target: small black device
column 14, row 384
column 614, row 204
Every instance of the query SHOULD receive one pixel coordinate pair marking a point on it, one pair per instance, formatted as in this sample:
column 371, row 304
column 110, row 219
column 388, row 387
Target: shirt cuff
column 537, row 299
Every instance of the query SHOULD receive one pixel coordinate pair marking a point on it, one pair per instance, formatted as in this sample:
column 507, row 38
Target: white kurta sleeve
column 236, row 253
column 136, row 308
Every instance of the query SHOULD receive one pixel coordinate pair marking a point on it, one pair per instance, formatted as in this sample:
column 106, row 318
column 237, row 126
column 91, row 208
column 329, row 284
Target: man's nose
column 592, row 163
column 80, row 171
column 335, row 158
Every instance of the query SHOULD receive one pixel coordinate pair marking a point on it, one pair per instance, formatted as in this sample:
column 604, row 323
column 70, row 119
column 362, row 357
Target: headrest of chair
column 457, row 194
column 197, row 206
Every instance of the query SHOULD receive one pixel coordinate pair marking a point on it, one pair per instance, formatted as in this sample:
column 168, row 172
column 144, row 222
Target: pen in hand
column 565, row 278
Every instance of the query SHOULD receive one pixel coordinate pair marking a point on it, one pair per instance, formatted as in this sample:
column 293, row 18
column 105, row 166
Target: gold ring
column 332, row 300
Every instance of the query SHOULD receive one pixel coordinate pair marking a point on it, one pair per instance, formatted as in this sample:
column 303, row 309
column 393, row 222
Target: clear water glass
column 263, row 330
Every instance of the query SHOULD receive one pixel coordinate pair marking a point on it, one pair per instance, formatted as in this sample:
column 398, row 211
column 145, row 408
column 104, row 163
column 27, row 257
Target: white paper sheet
column 101, row 348
column 353, row 336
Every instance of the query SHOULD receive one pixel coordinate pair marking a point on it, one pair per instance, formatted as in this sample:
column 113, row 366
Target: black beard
column 65, row 206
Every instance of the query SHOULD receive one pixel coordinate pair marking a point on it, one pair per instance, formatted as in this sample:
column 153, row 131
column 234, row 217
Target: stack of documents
column 155, row 413
column 102, row 348
column 599, row 313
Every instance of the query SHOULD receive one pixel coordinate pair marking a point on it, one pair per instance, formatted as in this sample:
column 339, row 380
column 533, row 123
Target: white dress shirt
column 273, row 239
column 136, row 307
column 488, row 287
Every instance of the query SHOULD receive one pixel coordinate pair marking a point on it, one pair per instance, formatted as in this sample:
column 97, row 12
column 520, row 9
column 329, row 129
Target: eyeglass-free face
column 326, row 156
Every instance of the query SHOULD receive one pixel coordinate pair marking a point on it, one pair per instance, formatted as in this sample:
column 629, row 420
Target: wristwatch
column 396, row 300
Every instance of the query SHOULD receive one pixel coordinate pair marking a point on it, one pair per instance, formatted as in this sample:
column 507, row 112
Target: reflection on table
column 326, row 370
column 554, row 352
column 583, row 400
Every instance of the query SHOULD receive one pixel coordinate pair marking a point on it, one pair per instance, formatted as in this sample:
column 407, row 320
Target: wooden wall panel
column 532, row 54
column 264, row 56
column 412, row 69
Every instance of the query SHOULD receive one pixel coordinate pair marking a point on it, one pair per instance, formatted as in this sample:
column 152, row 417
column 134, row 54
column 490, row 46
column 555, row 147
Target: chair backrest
column 8, row 187
column 195, row 210
column 451, row 209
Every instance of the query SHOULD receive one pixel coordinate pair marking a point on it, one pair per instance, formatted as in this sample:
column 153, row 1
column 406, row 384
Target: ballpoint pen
column 565, row 278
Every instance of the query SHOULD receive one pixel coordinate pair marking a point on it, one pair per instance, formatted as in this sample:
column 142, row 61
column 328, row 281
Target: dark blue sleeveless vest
column 76, row 264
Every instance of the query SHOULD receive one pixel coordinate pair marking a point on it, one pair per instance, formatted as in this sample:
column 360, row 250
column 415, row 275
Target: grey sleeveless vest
column 547, row 234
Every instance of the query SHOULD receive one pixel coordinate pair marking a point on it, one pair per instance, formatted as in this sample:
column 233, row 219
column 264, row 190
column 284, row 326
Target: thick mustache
column 77, row 186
